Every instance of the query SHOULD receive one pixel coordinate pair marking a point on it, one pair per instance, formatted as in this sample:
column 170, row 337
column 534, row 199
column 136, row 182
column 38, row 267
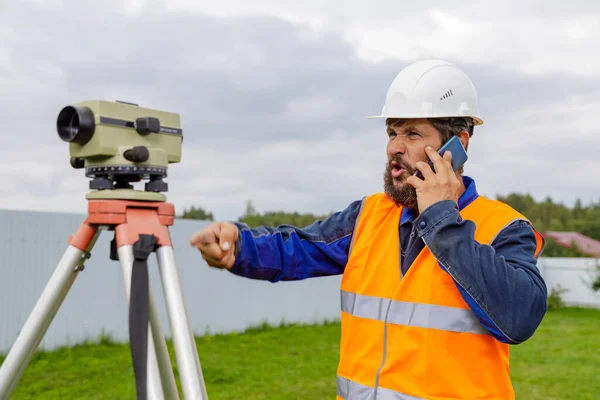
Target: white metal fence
column 575, row 275
column 31, row 244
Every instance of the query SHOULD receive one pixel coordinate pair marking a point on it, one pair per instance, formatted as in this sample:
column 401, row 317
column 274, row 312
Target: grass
column 561, row 361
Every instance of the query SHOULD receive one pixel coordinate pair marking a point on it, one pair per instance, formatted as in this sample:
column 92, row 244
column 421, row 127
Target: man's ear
column 464, row 138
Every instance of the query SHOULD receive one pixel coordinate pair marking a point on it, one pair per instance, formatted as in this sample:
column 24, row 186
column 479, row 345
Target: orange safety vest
column 413, row 337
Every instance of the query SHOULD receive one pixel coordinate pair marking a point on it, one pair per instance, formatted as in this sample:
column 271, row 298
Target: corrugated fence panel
column 32, row 243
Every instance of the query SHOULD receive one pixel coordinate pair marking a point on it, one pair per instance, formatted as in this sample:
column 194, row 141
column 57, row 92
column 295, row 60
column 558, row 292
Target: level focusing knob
column 77, row 163
column 147, row 125
column 137, row 154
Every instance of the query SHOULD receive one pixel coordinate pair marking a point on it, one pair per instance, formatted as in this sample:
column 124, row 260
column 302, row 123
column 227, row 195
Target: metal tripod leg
column 41, row 317
column 190, row 372
column 159, row 363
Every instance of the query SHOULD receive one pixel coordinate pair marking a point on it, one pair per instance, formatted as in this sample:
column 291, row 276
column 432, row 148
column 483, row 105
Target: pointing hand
column 216, row 243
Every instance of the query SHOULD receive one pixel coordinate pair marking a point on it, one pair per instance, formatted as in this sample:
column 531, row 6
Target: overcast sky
column 273, row 95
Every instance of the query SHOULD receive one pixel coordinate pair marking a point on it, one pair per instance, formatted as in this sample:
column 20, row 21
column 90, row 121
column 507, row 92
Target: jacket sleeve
column 500, row 282
column 287, row 253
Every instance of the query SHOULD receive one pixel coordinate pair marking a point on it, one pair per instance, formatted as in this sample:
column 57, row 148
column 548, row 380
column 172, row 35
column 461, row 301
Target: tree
column 275, row 218
column 250, row 210
column 548, row 215
column 197, row 213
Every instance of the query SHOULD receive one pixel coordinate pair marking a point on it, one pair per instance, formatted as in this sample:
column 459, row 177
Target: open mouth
column 397, row 169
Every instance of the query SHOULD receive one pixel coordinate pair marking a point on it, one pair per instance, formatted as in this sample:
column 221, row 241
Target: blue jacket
column 500, row 282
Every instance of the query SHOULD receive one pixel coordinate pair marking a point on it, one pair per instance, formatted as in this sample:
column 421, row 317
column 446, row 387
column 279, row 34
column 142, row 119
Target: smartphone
column 459, row 154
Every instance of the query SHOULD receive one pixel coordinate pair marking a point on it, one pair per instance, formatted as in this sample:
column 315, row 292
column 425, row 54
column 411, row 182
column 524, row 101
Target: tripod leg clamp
column 138, row 311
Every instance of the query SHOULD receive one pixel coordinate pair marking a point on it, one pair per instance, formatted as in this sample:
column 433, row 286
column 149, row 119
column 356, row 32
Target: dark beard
column 405, row 195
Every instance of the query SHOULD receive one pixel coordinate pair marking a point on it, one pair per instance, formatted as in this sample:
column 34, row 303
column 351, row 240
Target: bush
column 555, row 299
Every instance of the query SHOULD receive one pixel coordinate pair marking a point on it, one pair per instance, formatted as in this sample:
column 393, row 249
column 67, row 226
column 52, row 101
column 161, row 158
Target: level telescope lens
column 75, row 124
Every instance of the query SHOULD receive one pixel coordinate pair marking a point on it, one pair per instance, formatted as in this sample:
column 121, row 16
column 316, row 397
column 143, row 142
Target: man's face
column 405, row 147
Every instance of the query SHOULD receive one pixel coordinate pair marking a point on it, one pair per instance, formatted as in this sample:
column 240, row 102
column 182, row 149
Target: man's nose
column 397, row 146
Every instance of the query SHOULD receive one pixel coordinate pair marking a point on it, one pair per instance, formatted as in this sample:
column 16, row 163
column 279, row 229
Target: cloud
column 231, row 80
column 507, row 34
column 272, row 110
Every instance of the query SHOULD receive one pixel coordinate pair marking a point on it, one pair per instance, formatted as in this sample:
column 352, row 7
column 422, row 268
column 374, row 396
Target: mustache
column 398, row 160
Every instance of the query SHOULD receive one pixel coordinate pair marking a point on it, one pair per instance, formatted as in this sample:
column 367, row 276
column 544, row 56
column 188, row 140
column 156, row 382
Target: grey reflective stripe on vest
column 412, row 314
column 349, row 390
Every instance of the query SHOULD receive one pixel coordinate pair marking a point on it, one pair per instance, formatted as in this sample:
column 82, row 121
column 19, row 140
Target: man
column 437, row 280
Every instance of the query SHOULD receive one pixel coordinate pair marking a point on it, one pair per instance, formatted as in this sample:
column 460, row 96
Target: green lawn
column 562, row 361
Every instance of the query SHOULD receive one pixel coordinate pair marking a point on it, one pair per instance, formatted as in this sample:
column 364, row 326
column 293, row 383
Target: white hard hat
column 431, row 89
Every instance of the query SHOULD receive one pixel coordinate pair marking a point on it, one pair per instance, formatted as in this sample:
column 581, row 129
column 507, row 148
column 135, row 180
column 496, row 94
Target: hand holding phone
column 443, row 185
column 459, row 155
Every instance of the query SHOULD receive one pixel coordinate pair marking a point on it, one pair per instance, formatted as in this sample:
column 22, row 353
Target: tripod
column 140, row 228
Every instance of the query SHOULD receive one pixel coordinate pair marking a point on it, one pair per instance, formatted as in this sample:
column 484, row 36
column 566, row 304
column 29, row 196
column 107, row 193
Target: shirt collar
column 464, row 200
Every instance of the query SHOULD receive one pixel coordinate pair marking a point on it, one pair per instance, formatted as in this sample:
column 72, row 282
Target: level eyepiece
column 76, row 124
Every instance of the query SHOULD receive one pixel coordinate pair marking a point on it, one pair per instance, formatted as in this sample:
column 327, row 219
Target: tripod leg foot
column 39, row 320
column 159, row 365
column 192, row 381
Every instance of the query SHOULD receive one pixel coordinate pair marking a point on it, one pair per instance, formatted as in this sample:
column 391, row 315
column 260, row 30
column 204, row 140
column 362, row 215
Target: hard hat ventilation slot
column 447, row 94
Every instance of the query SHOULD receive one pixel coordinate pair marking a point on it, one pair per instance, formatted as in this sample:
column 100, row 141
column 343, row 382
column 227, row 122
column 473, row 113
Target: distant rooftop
column 583, row 243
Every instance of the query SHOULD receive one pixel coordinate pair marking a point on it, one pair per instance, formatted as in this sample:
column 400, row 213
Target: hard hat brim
column 476, row 120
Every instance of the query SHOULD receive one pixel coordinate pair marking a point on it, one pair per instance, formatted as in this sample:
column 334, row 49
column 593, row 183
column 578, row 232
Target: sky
column 273, row 96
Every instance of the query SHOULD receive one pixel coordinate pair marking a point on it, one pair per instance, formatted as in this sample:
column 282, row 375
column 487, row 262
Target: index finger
column 448, row 157
column 205, row 236
column 198, row 237
column 435, row 158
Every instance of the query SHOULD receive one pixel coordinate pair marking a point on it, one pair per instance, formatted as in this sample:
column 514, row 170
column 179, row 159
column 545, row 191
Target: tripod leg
column 186, row 353
column 159, row 365
column 162, row 353
column 43, row 313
